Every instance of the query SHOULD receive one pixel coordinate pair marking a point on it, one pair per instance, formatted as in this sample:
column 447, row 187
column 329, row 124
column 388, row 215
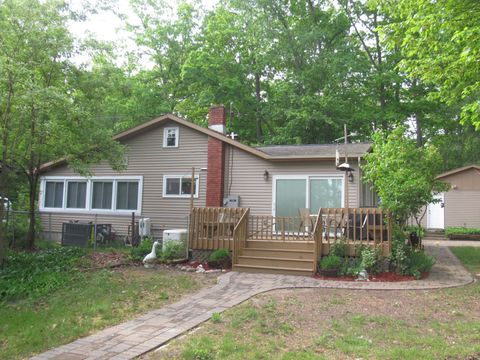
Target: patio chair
column 305, row 220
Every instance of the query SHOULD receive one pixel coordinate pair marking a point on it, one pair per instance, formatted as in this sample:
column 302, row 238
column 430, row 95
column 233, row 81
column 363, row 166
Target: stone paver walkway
column 446, row 242
column 143, row 334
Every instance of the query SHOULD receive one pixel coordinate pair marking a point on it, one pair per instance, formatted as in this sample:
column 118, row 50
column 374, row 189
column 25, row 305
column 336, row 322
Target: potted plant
column 330, row 265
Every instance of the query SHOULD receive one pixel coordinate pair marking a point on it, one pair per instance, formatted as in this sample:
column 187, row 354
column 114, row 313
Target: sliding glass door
column 290, row 196
column 312, row 192
column 325, row 193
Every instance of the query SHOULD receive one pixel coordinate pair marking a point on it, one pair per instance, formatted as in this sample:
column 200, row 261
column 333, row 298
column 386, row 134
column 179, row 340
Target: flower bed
column 381, row 277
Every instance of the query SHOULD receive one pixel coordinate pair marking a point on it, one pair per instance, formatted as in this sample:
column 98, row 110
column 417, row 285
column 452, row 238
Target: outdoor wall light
column 266, row 175
column 350, row 176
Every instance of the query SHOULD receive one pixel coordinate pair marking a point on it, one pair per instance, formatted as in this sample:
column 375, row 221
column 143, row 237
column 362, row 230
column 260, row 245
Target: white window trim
column 65, row 194
column 165, row 133
column 89, row 209
column 307, row 178
column 186, row 196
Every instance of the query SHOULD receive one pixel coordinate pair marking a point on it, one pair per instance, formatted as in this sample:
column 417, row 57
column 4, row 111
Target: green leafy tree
column 43, row 116
column 403, row 174
column 440, row 44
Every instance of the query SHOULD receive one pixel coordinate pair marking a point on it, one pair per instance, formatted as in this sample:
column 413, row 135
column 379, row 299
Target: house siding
column 462, row 203
column 244, row 177
column 462, row 208
column 148, row 158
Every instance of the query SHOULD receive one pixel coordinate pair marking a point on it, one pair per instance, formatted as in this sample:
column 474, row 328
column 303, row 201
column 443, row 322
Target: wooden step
column 289, row 245
column 272, row 270
column 275, row 262
column 279, row 253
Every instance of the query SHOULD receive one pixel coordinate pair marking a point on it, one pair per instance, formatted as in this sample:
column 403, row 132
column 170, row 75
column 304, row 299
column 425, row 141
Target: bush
column 339, row 248
column 330, row 262
column 220, row 258
column 461, row 231
column 32, row 274
column 370, row 260
column 173, row 250
column 420, row 231
column 144, row 248
column 419, row 262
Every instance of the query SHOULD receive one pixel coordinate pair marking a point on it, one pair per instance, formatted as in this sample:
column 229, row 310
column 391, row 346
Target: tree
column 403, row 174
column 440, row 44
column 42, row 114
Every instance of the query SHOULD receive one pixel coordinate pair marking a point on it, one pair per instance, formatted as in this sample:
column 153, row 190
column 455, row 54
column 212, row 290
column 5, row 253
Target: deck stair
column 277, row 257
column 434, row 235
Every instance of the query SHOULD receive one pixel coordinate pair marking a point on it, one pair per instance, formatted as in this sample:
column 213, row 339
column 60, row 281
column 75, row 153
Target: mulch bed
column 100, row 260
column 382, row 277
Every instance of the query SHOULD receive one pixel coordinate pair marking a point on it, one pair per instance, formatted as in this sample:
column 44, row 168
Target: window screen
column 127, row 195
column 76, row 194
column 53, row 194
column 102, row 194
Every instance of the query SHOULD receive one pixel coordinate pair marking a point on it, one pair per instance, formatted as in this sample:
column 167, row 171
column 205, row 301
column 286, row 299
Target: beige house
column 460, row 206
column 270, row 180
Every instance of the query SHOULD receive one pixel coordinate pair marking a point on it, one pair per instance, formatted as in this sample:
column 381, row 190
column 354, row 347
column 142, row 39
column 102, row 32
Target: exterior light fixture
column 266, row 175
column 350, row 176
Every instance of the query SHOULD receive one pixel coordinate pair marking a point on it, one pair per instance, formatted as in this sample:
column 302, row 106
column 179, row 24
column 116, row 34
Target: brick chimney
column 216, row 154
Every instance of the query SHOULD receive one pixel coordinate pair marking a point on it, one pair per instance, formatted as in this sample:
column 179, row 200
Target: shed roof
column 458, row 170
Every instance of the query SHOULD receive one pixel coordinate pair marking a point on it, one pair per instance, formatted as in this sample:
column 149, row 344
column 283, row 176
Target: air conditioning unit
column 176, row 235
column 144, row 227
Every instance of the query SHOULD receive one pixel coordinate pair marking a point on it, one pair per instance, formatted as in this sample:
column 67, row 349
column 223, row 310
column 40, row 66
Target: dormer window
column 170, row 137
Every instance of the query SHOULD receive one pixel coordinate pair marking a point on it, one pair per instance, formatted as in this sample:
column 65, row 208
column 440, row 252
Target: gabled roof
column 273, row 153
column 458, row 170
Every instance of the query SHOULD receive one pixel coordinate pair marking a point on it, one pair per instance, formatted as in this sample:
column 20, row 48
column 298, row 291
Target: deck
column 289, row 245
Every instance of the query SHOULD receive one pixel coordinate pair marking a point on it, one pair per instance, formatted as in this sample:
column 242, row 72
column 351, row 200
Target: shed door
column 436, row 214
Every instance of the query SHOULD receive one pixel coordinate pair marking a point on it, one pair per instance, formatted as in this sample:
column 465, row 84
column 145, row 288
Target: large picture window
column 313, row 192
column 179, row 186
column 98, row 194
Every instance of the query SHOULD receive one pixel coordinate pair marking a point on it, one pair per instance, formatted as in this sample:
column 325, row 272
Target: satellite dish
column 345, row 167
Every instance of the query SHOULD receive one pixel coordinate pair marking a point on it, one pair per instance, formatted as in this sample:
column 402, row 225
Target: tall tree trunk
column 258, row 116
column 32, row 184
column 418, row 126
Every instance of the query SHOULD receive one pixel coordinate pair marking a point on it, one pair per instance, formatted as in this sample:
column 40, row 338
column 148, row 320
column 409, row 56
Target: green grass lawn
column 341, row 324
column 89, row 301
column 469, row 256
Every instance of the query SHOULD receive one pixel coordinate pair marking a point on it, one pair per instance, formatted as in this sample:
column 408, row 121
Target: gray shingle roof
column 316, row 150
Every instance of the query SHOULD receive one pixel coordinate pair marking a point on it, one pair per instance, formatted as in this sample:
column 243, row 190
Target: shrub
column 144, row 248
column 173, row 250
column 330, row 262
column 339, row 248
column 220, row 258
column 419, row 262
column 461, row 231
column 32, row 274
column 370, row 260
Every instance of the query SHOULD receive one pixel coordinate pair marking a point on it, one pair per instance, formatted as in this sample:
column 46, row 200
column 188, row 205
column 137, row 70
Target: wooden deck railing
column 240, row 233
column 358, row 226
column 280, row 228
column 213, row 228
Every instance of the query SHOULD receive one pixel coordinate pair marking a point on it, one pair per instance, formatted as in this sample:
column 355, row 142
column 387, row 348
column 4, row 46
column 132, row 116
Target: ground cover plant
column 341, row 324
column 62, row 296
